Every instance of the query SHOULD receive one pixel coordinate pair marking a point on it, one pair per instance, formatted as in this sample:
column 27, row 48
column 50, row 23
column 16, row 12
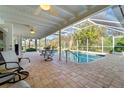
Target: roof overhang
column 47, row 22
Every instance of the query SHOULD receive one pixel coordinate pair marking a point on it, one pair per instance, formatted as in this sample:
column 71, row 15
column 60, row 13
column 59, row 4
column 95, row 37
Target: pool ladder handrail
column 66, row 51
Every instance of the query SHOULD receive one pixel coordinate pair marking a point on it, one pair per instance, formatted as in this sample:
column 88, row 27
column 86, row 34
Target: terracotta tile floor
column 107, row 72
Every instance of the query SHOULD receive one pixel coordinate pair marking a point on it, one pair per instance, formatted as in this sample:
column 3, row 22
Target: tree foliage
column 92, row 33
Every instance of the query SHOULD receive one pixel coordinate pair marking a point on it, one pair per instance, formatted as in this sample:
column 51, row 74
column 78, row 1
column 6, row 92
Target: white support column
column 12, row 47
column 36, row 44
column 87, row 49
column 29, row 43
column 64, row 46
column 25, row 44
column 59, row 45
column 113, row 40
column 9, row 37
column 20, row 44
column 77, row 51
column 39, row 44
column 102, row 45
column 77, row 46
column 45, row 41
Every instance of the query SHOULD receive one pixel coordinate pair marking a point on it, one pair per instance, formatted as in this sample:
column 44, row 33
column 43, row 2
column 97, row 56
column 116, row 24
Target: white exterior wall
column 9, row 37
column 13, row 35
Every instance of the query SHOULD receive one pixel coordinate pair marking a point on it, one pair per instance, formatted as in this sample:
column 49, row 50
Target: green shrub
column 119, row 47
column 30, row 49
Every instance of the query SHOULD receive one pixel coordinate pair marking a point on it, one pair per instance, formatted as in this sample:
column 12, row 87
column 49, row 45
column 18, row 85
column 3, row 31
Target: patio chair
column 48, row 55
column 8, row 77
column 10, row 57
column 10, row 60
column 20, row 58
column 42, row 53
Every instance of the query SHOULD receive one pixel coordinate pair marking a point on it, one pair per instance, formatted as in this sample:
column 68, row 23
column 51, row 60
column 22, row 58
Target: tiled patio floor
column 107, row 72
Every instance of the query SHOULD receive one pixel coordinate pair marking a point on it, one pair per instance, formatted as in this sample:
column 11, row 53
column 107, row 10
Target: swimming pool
column 79, row 57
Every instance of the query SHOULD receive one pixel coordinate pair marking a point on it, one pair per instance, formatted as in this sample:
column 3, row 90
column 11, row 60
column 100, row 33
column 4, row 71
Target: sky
column 107, row 14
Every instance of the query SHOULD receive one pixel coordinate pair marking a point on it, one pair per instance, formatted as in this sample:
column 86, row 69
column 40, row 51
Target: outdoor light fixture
column 45, row 7
column 32, row 31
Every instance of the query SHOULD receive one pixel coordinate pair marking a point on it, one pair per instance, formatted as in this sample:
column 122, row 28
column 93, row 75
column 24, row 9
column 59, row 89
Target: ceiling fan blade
column 37, row 11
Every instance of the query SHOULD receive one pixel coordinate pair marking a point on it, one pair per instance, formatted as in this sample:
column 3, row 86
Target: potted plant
column 110, row 51
column 1, row 45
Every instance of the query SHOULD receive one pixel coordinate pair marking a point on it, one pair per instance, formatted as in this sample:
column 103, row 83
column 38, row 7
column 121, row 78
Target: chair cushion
column 5, row 77
column 12, row 65
column 9, row 56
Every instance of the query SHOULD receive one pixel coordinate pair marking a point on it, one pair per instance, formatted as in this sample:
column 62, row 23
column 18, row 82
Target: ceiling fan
column 46, row 8
column 32, row 29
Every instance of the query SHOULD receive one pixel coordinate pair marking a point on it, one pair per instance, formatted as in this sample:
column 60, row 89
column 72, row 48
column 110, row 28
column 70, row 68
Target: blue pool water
column 79, row 57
